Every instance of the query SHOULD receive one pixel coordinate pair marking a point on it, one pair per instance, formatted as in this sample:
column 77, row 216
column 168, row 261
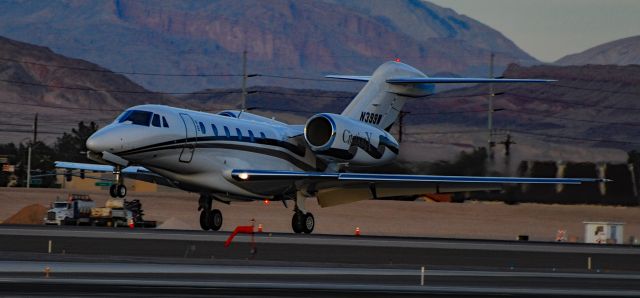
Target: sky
column 551, row 29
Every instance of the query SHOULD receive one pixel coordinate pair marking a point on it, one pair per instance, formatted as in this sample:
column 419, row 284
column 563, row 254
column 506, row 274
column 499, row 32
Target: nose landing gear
column 118, row 190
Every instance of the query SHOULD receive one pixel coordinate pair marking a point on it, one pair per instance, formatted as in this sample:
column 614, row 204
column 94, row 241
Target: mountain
column 623, row 51
column 301, row 38
column 89, row 92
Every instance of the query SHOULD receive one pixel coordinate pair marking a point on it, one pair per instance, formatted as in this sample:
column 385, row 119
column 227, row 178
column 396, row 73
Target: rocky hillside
column 287, row 37
column 63, row 90
column 624, row 51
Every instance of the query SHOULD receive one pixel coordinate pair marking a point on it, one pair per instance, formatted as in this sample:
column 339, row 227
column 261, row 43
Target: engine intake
column 339, row 138
column 320, row 131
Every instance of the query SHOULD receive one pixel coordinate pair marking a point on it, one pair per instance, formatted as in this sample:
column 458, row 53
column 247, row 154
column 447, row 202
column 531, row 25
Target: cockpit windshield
column 136, row 117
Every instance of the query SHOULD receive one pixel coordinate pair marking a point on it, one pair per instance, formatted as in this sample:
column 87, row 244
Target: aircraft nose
column 97, row 143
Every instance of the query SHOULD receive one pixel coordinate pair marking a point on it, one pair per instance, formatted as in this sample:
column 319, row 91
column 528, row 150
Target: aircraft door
column 191, row 138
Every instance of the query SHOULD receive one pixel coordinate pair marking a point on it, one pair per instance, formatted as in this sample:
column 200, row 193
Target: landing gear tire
column 121, row 191
column 215, row 218
column 113, row 191
column 211, row 220
column 297, row 222
column 205, row 220
column 309, row 223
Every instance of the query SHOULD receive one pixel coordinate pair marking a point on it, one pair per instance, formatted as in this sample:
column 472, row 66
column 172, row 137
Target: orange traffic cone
column 357, row 231
column 259, row 228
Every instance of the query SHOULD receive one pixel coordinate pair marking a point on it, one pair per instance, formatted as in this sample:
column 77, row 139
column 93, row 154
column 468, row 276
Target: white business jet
column 239, row 156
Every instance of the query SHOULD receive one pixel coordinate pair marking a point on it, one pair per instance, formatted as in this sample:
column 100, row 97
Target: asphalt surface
column 86, row 261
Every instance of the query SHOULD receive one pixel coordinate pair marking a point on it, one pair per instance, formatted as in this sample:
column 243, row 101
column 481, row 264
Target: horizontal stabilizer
column 426, row 80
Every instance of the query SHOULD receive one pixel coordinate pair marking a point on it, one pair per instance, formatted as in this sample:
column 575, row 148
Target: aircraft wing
column 133, row 172
column 339, row 188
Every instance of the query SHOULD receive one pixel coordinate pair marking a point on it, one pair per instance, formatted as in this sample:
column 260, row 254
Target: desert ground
column 478, row 220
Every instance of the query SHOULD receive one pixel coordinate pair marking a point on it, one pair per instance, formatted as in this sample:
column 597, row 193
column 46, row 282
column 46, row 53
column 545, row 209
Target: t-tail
column 381, row 99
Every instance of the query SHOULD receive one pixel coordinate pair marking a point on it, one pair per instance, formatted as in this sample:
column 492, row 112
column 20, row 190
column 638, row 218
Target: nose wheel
column 118, row 191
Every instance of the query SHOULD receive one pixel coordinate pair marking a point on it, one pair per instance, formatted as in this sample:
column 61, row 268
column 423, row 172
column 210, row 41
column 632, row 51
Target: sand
column 482, row 220
column 30, row 215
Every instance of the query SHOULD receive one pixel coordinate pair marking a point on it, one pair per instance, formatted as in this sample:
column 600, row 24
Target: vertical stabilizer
column 379, row 103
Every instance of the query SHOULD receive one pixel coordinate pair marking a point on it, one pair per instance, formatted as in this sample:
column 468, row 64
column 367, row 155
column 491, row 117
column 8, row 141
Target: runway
column 84, row 260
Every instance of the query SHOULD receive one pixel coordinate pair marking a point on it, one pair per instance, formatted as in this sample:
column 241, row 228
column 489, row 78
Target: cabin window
column 214, row 129
column 239, row 134
column 164, row 122
column 136, row 117
column 202, row 129
column 263, row 136
column 251, row 137
column 226, row 132
column 156, row 120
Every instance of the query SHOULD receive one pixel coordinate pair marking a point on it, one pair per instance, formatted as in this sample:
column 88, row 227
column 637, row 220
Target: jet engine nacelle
column 342, row 139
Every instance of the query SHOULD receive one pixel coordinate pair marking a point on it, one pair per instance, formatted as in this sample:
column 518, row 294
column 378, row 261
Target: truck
column 76, row 209
column 81, row 210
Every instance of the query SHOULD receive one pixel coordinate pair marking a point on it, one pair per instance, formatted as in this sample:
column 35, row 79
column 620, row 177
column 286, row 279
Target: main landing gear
column 209, row 219
column 302, row 221
column 118, row 190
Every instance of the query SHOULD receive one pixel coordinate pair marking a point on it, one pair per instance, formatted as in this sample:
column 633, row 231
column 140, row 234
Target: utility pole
column 35, row 129
column 401, row 124
column 490, row 110
column 33, row 141
column 244, row 80
column 507, row 144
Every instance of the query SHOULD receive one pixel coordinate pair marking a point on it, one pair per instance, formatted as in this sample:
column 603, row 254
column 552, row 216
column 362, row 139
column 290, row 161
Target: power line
column 302, row 94
column 450, row 112
column 573, row 138
column 594, row 89
column 530, row 113
column 118, row 72
column 305, row 78
column 115, row 91
column 468, row 131
column 60, row 107
column 29, row 131
column 574, row 103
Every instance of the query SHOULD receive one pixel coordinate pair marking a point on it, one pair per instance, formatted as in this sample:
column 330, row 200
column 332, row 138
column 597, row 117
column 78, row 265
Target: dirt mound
column 175, row 224
column 31, row 215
